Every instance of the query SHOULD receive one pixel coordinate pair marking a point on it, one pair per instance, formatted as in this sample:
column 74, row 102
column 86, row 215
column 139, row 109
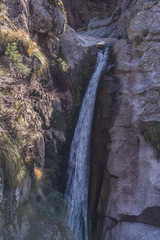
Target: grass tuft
column 8, row 35
column 11, row 157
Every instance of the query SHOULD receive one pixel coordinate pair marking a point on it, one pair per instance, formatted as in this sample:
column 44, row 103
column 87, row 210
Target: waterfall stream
column 78, row 171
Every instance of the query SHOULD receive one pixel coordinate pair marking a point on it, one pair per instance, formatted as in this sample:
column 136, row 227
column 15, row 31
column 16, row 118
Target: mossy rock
column 137, row 40
column 152, row 135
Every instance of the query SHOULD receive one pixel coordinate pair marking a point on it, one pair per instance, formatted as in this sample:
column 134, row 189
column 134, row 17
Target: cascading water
column 78, row 171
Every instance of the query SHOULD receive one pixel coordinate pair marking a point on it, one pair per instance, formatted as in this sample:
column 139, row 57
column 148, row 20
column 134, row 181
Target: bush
column 8, row 38
column 16, row 60
column 59, row 65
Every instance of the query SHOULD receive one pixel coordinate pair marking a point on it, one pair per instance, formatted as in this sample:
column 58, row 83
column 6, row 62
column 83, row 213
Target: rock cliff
column 124, row 190
column 44, row 69
column 40, row 61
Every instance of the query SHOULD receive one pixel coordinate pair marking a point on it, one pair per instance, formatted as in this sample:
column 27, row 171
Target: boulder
column 133, row 231
column 41, row 20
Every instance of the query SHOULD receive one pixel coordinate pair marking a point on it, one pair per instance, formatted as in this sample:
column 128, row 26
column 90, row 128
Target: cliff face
column 42, row 79
column 125, row 157
column 38, row 93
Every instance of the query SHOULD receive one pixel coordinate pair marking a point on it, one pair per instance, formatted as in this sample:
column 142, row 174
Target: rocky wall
column 131, row 195
column 38, row 82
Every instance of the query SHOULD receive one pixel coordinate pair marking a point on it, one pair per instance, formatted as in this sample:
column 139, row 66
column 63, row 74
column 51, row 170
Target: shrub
column 20, row 36
column 59, row 65
column 16, row 59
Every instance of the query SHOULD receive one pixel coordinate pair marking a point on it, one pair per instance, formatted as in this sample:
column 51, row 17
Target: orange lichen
column 38, row 173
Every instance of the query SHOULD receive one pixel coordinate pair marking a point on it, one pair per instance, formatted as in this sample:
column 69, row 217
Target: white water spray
column 78, row 171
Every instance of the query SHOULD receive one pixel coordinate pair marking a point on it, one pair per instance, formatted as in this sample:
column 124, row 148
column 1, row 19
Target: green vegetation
column 16, row 59
column 152, row 135
column 13, row 40
column 59, row 65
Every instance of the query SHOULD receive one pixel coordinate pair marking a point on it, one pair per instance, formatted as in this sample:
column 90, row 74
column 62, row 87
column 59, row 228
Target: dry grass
column 8, row 35
column 11, row 157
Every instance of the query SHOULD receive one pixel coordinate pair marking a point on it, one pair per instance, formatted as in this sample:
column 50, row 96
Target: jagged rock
column 28, row 115
column 133, row 161
column 41, row 20
column 60, row 20
column 72, row 48
column 130, row 186
column 146, row 23
column 77, row 12
column 99, row 23
column 103, row 32
column 20, row 12
column 133, row 231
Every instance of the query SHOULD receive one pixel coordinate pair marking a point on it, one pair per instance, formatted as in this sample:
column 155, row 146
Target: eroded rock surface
column 129, row 205
column 133, row 231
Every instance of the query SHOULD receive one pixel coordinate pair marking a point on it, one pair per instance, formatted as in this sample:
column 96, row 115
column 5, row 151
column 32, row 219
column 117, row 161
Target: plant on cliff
column 15, row 60
column 59, row 65
column 11, row 156
column 152, row 135
column 10, row 36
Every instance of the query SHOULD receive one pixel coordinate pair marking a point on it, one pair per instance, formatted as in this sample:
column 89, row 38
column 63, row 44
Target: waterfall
column 78, row 171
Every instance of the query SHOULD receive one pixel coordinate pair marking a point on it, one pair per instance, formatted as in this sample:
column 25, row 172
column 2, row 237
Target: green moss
column 137, row 40
column 59, row 65
column 152, row 135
